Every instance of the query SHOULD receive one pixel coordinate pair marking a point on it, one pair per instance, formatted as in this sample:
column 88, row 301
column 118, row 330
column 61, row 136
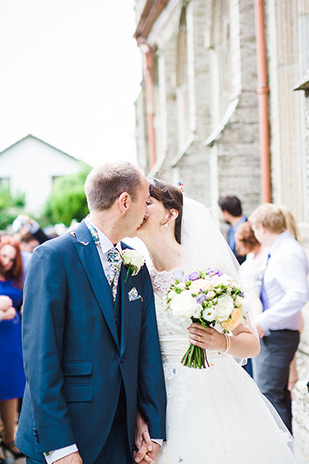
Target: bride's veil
column 205, row 247
column 202, row 242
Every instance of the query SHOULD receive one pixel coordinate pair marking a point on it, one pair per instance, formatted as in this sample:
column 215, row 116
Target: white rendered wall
column 31, row 165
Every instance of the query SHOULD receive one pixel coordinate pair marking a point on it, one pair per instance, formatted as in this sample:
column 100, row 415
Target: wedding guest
column 231, row 211
column 291, row 223
column 283, row 294
column 292, row 227
column 251, row 270
column 12, row 379
column 7, row 312
column 24, row 225
column 30, row 235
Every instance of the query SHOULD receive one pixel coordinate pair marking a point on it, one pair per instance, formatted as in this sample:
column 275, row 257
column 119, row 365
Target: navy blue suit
column 75, row 364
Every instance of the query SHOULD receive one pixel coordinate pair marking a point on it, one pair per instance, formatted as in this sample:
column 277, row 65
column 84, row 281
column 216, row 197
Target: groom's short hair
column 106, row 183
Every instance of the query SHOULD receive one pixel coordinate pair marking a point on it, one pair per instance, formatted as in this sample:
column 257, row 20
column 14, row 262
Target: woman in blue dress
column 12, row 377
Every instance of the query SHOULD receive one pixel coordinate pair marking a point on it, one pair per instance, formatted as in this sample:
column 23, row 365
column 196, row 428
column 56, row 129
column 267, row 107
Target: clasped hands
column 146, row 449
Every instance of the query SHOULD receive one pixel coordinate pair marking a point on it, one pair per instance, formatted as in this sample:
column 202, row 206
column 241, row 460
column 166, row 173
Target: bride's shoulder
column 161, row 280
column 154, row 272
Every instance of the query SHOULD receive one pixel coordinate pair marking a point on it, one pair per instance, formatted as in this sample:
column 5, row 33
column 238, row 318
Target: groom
column 91, row 349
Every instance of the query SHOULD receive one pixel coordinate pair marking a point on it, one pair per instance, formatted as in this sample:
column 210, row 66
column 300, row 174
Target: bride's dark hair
column 171, row 197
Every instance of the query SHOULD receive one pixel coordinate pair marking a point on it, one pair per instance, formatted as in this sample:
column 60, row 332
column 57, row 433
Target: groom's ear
column 124, row 202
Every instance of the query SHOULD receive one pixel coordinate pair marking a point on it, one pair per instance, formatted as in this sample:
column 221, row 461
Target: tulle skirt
column 217, row 415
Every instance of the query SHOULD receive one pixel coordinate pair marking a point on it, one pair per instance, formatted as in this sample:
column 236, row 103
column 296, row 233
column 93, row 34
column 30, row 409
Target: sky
column 70, row 72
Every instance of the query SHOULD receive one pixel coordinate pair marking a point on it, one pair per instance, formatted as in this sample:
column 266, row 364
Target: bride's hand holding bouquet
column 207, row 337
column 209, row 298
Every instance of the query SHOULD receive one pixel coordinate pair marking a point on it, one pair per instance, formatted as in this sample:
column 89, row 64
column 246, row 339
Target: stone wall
column 300, row 393
column 221, row 154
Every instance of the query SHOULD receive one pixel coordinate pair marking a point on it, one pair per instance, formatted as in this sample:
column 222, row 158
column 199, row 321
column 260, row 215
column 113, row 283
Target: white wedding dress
column 215, row 415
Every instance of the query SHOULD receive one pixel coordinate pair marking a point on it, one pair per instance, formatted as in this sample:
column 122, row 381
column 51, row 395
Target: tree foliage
column 67, row 200
column 10, row 206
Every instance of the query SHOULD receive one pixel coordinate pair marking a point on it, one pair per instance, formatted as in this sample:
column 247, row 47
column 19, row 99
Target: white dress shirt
column 285, row 285
column 105, row 246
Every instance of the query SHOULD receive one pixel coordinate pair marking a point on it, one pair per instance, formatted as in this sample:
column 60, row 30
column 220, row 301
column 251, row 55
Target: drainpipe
column 148, row 56
column 263, row 92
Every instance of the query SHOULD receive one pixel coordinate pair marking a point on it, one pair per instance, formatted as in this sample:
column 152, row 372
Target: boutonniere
column 133, row 261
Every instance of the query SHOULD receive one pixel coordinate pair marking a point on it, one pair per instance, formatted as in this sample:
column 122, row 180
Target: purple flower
column 200, row 298
column 178, row 275
column 194, row 275
column 214, row 272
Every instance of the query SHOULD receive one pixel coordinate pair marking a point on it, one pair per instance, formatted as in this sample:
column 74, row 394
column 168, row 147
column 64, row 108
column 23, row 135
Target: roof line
column 40, row 140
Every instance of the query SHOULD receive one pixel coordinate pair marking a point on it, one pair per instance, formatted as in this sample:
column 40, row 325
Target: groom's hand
column 73, row 458
column 144, row 456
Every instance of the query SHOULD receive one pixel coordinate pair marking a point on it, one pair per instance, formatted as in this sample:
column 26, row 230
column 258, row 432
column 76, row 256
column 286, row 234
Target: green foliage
column 10, row 206
column 67, row 200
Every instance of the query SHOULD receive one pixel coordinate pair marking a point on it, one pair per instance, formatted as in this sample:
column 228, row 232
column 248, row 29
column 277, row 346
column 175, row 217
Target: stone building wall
column 219, row 153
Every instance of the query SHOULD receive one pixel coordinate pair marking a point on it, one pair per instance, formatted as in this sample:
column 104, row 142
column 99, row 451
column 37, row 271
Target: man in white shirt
column 284, row 292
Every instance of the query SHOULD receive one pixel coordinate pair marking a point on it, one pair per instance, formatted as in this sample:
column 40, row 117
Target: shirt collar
column 238, row 224
column 105, row 242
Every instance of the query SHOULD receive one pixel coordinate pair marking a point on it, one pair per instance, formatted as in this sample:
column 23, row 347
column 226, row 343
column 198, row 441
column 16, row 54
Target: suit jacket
column 74, row 363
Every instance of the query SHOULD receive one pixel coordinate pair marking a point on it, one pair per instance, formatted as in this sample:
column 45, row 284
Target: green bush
column 67, row 200
column 10, row 206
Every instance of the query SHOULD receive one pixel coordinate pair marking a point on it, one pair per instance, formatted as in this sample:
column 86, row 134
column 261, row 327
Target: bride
column 217, row 414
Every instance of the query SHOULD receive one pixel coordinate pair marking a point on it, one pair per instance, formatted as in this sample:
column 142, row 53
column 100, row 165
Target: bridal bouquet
column 209, row 297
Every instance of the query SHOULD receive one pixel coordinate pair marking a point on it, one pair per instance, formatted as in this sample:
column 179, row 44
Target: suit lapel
column 90, row 260
column 124, row 308
column 124, row 303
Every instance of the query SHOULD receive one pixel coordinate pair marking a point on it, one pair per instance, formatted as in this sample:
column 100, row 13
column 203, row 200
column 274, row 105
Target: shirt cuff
column 53, row 456
column 158, row 440
column 33, row 227
column 262, row 321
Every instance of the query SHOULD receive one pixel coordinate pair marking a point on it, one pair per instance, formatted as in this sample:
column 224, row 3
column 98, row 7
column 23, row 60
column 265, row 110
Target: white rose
column 181, row 286
column 238, row 301
column 209, row 314
column 133, row 260
column 223, row 280
column 171, row 294
column 132, row 257
column 200, row 284
column 184, row 305
column 224, row 307
column 210, row 295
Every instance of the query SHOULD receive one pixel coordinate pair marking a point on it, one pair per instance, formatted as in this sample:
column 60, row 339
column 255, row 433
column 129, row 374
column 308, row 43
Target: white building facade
column 30, row 166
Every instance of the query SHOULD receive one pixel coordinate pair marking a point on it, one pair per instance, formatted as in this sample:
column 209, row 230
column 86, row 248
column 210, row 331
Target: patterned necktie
column 263, row 296
column 114, row 258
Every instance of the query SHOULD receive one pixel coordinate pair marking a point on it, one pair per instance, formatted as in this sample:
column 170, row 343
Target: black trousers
column 271, row 370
